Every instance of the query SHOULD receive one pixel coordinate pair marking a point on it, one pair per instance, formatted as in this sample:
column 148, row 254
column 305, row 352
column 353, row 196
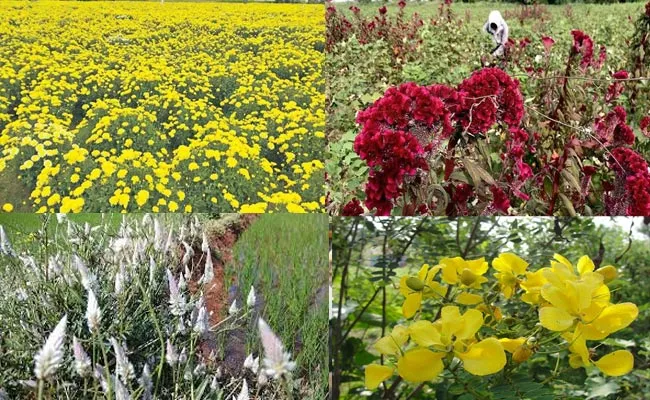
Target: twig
column 629, row 244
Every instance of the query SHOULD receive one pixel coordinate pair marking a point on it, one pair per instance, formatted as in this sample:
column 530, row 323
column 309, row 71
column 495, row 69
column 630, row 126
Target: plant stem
column 41, row 384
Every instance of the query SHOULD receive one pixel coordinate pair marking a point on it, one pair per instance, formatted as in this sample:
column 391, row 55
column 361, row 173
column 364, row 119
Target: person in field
column 497, row 27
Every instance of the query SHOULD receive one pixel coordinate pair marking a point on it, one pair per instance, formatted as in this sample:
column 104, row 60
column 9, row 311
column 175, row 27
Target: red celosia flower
column 401, row 4
column 488, row 96
column 383, row 10
column 645, row 125
column 616, row 88
column 582, row 44
column 612, row 130
column 548, row 43
column 500, row 200
column 398, row 131
column 353, row 208
column 630, row 194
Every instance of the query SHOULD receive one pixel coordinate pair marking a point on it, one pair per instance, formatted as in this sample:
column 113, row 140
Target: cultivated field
column 143, row 106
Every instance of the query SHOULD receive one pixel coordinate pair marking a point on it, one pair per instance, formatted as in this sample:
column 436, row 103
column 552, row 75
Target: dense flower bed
column 161, row 107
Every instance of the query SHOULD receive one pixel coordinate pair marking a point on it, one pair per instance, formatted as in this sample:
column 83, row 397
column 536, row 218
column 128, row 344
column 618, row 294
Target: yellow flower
column 173, row 206
column 468, row 273
column 7, row 207
column 510, row 266
column 415, row 288
column 141, row 197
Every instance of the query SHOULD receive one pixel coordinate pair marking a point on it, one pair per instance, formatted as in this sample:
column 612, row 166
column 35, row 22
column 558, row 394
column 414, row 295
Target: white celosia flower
column 93, row 313
column 5, row 245
column 182, row 283
column 87, row 278
column 201, row 325
column 176, row 298
column 218, row 374
column 50, row 357
column 99, row 375
column 277, row 362
column 189, row 253
column 205, row 245
column 158, row 235
column 248, row 362
column 199, row 369
column 208, row 272
column 152, row 270
column 123, row 367
column 169, row 242
column 120, row 277
column 54, row 266
column 250, row 300
column 121, row 392
column 262, row 380
column 61, row 217
column 243, row 395
column 182, row 358
column 233, row 308
column 171, row 356
column 82, row 363
column 145, row 383
column 214, row 385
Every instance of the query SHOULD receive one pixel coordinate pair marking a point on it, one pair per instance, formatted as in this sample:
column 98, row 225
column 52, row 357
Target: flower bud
column 467, row 277
column 521, row 354
column 414, row 283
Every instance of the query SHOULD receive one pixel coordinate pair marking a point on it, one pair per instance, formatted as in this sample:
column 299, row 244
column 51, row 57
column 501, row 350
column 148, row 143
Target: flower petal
column 412, row 304
column 473, row 321
column 510, row 345
column 617, row 363
column 468, row 299
column 376, row 374
column 616, row 317
column 420, row 364
column 424, row 333
column 585, row 265
column 484, row 358
column 555, row 319
column 509, row 262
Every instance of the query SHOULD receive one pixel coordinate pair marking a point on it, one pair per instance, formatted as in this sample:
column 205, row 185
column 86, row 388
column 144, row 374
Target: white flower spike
column 277, row 362
column 93, row 313
column 243, row 395
column 50, row 357
column 250, row 301
column 82, row 363
column 233, row 308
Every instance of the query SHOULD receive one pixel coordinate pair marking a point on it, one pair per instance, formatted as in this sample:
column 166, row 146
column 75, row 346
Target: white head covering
column 497, row 27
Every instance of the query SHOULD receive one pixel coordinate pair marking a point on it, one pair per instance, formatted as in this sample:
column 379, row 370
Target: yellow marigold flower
column 172, row 206
column 7, row 207
column 142, row 197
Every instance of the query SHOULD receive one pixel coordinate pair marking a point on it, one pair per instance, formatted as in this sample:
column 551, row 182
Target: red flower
column 630, row 193
column 489, row 95
column 622, row 74
column 401, row 4
column 582, row 44
column 548, row 43
column 353, row 208
column 612, row 129
column 500, row 200
column 383, row 10
column 645, row 125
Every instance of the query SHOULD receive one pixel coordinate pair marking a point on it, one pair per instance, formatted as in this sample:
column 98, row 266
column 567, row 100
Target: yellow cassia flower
column 616, row 363
column 580, row 296
column 376, row 374
column 510, row 266
column 469, row 273
column 415, row 288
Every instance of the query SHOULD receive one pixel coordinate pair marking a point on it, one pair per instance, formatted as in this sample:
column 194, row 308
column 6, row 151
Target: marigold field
column 161, row 107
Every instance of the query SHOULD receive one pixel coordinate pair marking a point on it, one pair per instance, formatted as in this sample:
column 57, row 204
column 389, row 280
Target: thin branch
column 629, row 244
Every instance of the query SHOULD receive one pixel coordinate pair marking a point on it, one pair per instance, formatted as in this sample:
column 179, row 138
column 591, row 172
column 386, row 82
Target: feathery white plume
column 250, row 300
column 248, row 362
column 5, row 245
column 82, row 363
column 61, row 218
column 243, row 395
column 87, row 278
column 214, row 385
column 208, row 272
column 233, row 308
column 152, row 270
column 182, row 358
column 205, row 246
column 123, row 367
column 54, row 266
column 121, row 392
column 176, row 299
column 201, row 325
column 50, row 357
column 93, row 313
column 120, row 277
column 171, row 356
column 189, row 253
column 277, row 362
column 145, row 383
column 262, row 380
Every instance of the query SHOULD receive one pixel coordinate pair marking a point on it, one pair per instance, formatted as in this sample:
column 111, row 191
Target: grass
column 284, row 257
